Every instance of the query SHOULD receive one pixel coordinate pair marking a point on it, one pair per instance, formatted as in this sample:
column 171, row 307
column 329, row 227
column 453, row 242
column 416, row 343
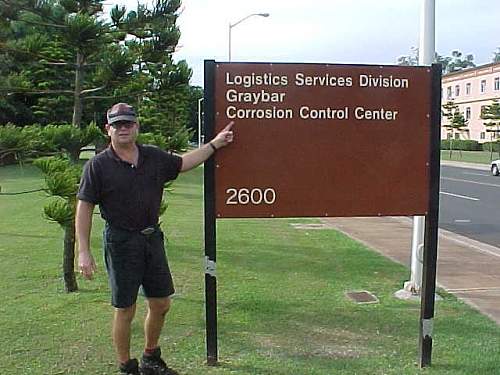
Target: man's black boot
column 152, row 364
column 131, row 367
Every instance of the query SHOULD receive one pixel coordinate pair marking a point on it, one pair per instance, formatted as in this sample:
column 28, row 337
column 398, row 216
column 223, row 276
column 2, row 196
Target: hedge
column 487, row 146
column 461, row 144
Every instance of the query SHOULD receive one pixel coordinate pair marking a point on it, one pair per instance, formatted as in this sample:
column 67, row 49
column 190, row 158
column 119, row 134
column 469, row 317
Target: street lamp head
column 231, row 25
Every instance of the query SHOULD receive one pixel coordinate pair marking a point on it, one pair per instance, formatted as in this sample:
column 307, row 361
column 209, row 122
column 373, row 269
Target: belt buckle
column 147, row 231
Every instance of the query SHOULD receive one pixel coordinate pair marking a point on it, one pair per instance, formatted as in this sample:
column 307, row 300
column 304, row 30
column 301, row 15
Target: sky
column 330, row 31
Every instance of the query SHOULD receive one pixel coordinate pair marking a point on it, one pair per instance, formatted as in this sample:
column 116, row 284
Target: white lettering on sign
column 265, row 79
column 382, row 81
column 375, row 114
column 253, row 196
column 326, row 80
column 264, row 96
column 261, row 96
column 233, row 112
column 306, row 112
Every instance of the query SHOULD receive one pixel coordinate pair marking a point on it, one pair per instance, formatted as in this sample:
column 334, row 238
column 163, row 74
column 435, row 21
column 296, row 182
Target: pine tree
column 69, row 66
column 456, row 124
column 491, row 113
column 66, row 54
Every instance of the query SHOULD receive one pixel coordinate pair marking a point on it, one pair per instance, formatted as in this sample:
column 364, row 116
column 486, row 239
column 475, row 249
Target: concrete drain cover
column 310, row 226
column 362, row 297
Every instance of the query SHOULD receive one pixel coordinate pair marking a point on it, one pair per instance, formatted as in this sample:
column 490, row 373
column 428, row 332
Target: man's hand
column 86, row 264
column 224, row 137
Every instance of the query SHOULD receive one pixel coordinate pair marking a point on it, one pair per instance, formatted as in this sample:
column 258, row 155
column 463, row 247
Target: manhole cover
column 309, row 226
column 362, row 297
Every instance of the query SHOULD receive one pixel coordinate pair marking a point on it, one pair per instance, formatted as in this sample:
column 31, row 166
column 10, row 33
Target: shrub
column 18, row 143
column 487, row 146
column 70, row 139
column 178, row 142
column 155, row 139
column 461, row 144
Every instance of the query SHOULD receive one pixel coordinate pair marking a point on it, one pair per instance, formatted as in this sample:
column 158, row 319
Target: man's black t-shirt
column 129, row 196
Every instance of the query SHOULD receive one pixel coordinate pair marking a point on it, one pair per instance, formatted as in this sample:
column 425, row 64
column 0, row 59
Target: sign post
column 431, row 226
column 323, row 140
column 210, row 223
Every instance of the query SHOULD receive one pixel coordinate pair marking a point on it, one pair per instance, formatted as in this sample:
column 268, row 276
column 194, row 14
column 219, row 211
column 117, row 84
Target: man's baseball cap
column 121, row 112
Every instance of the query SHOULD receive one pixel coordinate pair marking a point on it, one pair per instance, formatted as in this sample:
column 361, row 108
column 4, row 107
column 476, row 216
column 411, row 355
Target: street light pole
column 426, row 57
column 426, row 52
column 237, row 23
column 199, row 122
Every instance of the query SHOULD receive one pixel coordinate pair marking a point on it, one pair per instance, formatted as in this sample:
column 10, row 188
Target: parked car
column 495, row 167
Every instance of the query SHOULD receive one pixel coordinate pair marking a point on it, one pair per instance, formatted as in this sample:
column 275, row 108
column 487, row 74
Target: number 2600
column 250, row 196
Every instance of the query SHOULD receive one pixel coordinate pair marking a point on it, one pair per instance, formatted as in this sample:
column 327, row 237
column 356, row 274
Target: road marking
column 459, row 196
column 476, row 174
column 462, row 221
column 472, row 182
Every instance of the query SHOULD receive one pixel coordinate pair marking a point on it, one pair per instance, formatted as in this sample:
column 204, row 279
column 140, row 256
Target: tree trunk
column 77, row 105
column 74, row 156
column 69, row 258
column 491, row 148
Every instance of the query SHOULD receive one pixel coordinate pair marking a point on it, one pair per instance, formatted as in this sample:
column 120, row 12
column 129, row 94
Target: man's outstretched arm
column 194, row 158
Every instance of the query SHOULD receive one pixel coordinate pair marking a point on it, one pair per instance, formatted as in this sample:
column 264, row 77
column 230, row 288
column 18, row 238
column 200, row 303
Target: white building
column 471, row 89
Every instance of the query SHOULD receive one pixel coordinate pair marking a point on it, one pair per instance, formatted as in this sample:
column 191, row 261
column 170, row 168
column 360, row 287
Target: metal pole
column 425, row 57
column 199, row 122
column 210, row 222
column 427, row 29
column 229, row 54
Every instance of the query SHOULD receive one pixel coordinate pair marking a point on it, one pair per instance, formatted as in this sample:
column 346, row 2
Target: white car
column 495, row 167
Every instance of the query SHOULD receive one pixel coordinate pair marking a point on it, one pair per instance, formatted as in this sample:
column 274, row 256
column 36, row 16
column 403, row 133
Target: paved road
column 470, row 203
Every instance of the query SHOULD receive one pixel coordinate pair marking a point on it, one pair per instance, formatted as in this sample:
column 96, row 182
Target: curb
column 460, row 164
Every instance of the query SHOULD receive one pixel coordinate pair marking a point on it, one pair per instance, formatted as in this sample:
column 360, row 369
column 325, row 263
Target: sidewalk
column 483, row 167
column 466, row 268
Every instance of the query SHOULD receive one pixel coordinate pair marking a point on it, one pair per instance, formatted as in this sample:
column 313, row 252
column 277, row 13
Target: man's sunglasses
column 123, row 124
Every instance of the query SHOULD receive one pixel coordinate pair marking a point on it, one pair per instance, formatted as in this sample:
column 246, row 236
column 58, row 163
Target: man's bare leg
column 155, row 318
column 122, row 322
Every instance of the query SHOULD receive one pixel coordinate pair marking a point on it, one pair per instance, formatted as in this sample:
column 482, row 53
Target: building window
column 467, row 113
column 448, row 136
column 467, row 89
column 483, row 135
column 483, row 86
column 448, row 93
column 457, row 90
column 457, row 135
column 497, row 83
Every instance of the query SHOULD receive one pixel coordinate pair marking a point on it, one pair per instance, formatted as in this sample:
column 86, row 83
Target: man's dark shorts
column 132, row 260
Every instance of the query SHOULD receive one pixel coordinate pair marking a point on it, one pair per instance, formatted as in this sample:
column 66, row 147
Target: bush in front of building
column 491, row 146
column 461, row 144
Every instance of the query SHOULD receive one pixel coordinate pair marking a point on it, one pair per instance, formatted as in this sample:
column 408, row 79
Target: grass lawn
column 282, row 308
column 480, row 157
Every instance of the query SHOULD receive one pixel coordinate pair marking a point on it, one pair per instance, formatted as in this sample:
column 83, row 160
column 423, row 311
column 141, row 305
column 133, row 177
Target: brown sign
column 315, row 140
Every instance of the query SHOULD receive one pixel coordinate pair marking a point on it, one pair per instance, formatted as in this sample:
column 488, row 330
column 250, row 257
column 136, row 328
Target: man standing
column 126, row 180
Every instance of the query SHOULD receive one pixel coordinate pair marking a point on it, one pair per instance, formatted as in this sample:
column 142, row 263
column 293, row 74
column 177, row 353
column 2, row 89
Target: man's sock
column 151, row 351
